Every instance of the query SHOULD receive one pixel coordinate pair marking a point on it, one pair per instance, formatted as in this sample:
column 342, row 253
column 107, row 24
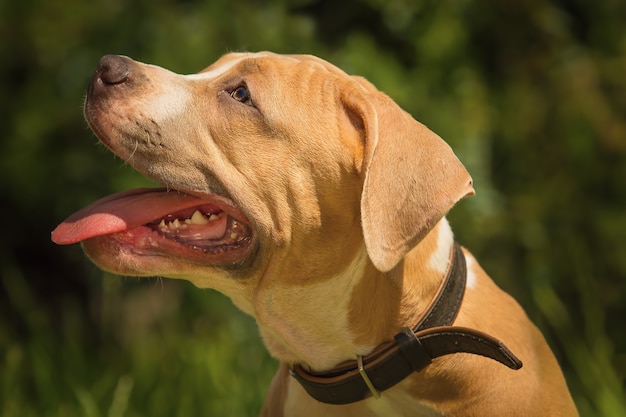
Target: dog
column 318, row 206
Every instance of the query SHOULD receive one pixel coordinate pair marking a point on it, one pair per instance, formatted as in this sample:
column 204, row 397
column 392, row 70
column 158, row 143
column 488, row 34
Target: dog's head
column 272, row 166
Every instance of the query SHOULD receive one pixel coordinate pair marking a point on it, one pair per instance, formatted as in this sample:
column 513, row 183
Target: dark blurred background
column 531, row 95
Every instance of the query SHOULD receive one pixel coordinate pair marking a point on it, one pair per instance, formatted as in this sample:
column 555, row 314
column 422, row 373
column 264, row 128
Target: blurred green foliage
column 531, row 95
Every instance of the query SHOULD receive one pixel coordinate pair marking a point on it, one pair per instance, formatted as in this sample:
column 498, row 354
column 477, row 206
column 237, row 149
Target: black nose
column 113, row 69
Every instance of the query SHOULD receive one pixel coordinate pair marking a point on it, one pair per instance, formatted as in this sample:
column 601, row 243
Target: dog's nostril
column 113, row 69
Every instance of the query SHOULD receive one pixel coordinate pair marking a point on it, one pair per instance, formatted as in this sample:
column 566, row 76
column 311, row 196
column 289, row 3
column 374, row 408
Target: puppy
column 317, row 205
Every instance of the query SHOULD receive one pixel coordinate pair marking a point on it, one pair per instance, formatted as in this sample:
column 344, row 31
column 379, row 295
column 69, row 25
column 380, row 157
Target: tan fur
column 346, row 195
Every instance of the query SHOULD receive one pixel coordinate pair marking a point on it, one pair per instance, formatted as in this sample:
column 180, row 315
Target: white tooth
column 213, row 217
column 162, row 224
column 233, row 236
column 198, row 218
column 187, row 221
column 175, row 224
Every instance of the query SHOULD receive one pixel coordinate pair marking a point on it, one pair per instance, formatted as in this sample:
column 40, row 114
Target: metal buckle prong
column 366, row 378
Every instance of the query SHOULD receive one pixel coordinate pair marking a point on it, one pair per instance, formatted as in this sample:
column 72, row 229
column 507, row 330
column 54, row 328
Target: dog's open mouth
column 160, row 222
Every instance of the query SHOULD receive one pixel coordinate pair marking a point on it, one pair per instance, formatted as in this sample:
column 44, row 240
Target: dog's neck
column 334, row 320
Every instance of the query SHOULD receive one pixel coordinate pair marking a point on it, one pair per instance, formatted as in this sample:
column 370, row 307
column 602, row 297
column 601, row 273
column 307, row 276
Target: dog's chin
column 148, row 251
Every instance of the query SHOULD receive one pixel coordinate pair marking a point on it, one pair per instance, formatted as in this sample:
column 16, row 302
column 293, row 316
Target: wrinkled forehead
column 232, row 60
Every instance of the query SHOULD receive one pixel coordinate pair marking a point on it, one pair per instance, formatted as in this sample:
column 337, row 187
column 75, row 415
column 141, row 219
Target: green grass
column 160, row 348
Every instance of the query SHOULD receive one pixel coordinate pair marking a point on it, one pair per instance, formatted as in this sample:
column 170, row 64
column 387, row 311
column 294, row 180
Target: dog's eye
column 242, row 95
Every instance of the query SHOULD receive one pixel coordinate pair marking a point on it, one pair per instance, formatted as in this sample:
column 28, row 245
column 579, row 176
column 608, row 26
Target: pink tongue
column 119, row 212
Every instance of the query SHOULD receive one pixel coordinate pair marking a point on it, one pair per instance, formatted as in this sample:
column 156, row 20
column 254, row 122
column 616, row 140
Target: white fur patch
column 216, row 72
column 441, row 257
column 471, row 275
column 169, row 104
column 222, row 69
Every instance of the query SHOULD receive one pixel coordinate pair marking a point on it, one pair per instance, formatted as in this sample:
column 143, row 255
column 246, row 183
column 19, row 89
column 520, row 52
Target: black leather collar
column 411, row 351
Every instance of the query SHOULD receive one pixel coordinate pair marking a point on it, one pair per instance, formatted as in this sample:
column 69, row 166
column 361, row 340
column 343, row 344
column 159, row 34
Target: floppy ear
column 412, row 177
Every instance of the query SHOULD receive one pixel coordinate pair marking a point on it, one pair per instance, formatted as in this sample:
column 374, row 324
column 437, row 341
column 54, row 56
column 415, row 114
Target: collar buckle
column 366, row 378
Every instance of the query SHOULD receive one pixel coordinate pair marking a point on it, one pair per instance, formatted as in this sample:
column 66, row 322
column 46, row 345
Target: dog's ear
column 412, row 177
